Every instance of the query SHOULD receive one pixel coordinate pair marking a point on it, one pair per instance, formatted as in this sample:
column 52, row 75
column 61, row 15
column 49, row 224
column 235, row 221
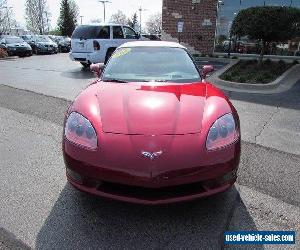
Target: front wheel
column 85, row 65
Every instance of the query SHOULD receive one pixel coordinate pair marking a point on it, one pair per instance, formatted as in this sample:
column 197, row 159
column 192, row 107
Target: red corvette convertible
column 151, row 130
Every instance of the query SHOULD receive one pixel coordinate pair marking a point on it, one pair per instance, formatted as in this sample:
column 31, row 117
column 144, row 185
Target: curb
column 223, row 60
column 282, row 83
column 256, row 56
column 8, row 58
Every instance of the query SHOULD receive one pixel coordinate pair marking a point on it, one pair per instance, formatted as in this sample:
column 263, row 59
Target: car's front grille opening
column 151, row 193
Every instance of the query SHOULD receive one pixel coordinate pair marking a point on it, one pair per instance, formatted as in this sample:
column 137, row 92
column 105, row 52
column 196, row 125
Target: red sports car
column 151, row 130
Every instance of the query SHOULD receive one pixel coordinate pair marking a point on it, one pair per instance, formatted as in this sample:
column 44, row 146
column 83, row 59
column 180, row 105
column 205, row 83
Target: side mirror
column 206, row 70
column 97, row 68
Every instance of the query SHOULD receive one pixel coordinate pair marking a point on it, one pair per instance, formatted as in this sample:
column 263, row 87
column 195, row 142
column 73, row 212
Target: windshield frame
column 176, row 82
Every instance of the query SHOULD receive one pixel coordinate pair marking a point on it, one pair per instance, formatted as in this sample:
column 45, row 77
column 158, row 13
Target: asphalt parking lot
column 40, row 210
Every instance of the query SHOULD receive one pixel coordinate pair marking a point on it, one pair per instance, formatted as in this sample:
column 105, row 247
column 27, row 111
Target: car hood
column 13, row 45
column 45, row 43
column 141, row 109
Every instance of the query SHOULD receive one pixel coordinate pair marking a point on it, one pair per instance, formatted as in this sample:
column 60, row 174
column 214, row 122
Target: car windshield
column 14, row 40
column 43, row 39
column 65, row 39
column 161, row 64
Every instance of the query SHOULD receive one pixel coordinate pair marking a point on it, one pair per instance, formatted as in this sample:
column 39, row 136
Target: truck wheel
column 85, row 65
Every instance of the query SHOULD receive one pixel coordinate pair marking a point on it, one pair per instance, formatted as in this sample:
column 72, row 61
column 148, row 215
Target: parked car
column 152, row 37
column 15, row 46
column 26, row 38
column 95, row 43
column 151, row 130
column 64, row 44
column 43, row 45
column 3, row 51
column 55, row 38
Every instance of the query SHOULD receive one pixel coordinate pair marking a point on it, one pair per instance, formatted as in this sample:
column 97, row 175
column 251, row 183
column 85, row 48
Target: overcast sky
column 92, row 9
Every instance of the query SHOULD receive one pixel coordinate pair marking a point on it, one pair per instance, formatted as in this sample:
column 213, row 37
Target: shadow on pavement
column 81, row 221
column 80, row 73
column 289, row 99
column 9, row 241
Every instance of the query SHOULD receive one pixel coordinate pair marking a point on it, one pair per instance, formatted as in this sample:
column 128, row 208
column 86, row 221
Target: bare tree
column 7, row 20
column 154, row 24
column 133, row 22
column 2, row 11
column 35, row 15
column 119, row 18
column 96, row 20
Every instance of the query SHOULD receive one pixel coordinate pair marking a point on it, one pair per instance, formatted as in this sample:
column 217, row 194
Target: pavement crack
column 266, row 123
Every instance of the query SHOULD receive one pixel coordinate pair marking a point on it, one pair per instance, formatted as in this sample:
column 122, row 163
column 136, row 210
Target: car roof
column 103, row 24
column 152, row 44
column 11, row 36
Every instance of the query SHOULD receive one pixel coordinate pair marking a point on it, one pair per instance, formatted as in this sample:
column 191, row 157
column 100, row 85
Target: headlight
column 80, row 131
column 222, row 133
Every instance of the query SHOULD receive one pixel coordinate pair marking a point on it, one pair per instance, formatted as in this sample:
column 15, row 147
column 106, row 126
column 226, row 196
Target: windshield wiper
column 114, row 80
column 159, row 81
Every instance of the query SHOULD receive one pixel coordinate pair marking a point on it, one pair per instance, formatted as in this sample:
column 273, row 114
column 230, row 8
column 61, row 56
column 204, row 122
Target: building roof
column 152, row 44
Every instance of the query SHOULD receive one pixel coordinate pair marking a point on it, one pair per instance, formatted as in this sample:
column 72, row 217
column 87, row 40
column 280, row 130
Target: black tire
column 85, row 65
column 108, row 55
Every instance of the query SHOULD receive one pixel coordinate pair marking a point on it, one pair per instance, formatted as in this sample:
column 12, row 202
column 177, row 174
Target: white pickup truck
column 95, row 43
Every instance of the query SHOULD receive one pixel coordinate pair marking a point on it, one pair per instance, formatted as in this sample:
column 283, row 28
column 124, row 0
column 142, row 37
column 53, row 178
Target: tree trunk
column 262, row 53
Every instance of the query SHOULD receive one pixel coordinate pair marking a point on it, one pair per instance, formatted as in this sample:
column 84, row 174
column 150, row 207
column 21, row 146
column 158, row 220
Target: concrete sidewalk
column 269, row 117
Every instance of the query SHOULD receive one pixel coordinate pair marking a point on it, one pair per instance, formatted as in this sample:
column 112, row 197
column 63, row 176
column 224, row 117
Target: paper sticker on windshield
column 121, row 52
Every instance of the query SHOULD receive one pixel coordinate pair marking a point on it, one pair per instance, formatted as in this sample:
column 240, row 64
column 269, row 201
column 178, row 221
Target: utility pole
column 218, row 22
column 104, row 2
column 81, row 19
column 47, row 19
column 141, row 10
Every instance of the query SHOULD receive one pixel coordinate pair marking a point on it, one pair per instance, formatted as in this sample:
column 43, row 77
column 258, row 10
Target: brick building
column 199, row 17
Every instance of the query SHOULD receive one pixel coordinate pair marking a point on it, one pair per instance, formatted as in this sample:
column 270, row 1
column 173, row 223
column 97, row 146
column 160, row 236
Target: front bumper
column 19, row 52
column 174, row 177
column 64, row 48
column 150, row 196
column 47, row 50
